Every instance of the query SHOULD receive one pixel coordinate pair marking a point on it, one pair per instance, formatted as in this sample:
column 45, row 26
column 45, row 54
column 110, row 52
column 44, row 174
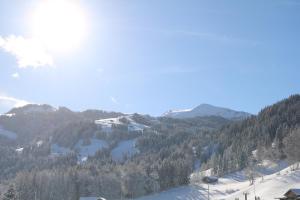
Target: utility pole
column 254, row 188
column 208, row 191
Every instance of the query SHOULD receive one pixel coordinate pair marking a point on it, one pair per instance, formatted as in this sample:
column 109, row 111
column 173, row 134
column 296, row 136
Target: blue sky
column 151, row 56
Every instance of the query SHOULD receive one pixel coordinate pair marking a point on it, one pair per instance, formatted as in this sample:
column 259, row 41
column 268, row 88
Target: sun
column 60, row 25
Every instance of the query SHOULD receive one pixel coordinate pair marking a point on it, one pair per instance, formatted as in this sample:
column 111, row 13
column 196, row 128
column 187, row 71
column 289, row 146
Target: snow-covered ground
column 8, row 134
column 90, row 149
column 91, row 198
column 206, row 110
column 106, row 124
column 126, row 147
column 19, row 150
column 58, row 150
column 277, row 179
column 134, row 126
column 84, row 151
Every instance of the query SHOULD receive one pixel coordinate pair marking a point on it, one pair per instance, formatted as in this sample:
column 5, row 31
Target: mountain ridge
column 207, row 110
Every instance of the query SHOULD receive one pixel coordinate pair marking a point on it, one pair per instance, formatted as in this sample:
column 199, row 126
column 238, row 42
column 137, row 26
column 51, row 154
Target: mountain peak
column 207, row 110
column 32, row 108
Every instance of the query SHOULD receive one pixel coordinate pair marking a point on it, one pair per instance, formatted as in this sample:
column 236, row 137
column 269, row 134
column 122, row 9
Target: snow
column 175, row 112
column 58, row 150
column 272, row 186
column 39, row 143
column 8, row 134
column 206, row 110
column 233, row 186
column 126, row 147
column 19, row 150
column 106, row 124
column 84, row 159
column 8, row 115
column 134, row 126
column 84, row 151
column 92, row 198
column 90, row 149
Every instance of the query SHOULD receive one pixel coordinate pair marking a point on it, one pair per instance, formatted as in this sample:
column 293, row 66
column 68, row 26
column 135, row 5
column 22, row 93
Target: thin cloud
column 225, row 39
column 28, row 52
column 15, row 75
column 7, row 101
column 202, row 35
column 114, row 100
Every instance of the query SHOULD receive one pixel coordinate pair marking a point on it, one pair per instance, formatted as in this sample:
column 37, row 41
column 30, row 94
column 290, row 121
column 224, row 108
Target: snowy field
column 273, row 185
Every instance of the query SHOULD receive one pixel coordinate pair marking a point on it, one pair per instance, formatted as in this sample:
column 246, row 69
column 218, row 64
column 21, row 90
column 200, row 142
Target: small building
column 292, row 194
column 209, row 179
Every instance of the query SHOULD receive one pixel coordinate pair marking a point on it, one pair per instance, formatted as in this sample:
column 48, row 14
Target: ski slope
column 273, row 185
column 132, row 126
column 124, row 148
column 84, row 151
column 89, row 150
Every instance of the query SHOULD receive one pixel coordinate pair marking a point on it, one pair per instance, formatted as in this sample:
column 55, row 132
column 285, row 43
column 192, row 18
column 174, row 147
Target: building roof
column 295, row 192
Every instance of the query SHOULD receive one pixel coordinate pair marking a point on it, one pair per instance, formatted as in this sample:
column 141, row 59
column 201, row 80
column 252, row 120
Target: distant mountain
column 204, row 110
column 32, row 108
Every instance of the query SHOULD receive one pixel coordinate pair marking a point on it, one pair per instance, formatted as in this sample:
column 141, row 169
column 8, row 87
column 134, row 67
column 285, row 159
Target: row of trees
column 113, row 181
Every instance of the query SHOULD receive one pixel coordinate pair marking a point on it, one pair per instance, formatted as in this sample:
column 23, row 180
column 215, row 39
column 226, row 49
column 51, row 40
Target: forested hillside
column 59, row 154
column 66, row 154
column 269, row 134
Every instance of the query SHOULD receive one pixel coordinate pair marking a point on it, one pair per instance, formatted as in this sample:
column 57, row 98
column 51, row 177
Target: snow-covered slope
column 90, row 149
column 132, row 126
column 233, row 186
column 83, row 150
column 206, row 110
column 59, row 151
column 124, row 148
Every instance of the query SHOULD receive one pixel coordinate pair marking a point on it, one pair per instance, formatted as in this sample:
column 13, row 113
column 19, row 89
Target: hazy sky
column 149, row 56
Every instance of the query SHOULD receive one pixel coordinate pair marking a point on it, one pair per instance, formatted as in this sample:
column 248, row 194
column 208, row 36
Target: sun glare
column 59, row 24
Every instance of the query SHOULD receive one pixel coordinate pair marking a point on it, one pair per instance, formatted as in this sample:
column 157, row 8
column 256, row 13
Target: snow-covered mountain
column 207, row 110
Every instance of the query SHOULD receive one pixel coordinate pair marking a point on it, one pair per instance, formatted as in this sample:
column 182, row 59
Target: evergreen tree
column 10, row 194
